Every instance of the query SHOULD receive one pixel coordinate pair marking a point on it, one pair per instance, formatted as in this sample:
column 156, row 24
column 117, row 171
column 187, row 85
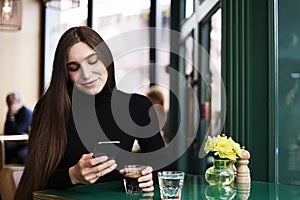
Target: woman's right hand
column 89, row 169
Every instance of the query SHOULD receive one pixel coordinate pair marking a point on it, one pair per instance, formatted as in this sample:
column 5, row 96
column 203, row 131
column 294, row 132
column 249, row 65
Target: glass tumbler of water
column 170, row 184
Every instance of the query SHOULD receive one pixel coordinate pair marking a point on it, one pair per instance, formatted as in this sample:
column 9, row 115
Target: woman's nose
column 85, row 72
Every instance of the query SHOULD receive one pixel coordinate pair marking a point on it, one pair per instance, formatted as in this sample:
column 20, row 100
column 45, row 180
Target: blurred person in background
column 18, row 121
column 158, row 100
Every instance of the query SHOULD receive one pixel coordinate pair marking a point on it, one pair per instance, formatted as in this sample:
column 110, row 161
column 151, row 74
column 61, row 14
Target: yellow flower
column 209, row 145
column 230, row 156
column 223, row 147
column 236, row 147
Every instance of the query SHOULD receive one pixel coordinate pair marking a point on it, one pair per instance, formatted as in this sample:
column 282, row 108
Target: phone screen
column 107, row 148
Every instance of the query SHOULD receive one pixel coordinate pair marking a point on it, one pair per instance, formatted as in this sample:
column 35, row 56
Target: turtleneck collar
column 103, row 94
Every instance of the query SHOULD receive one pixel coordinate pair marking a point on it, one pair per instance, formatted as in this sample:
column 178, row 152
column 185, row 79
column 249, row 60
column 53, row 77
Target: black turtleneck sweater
column 81, row 126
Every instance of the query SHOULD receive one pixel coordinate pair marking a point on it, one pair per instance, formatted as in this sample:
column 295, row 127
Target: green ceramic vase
column 219, row 174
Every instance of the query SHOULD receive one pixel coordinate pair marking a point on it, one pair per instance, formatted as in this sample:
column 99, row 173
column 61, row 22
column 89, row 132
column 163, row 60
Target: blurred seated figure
column 18, row 121
column 157, row 98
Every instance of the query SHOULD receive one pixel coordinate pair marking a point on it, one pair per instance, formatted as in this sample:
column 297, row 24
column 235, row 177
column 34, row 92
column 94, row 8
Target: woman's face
column 85, row 69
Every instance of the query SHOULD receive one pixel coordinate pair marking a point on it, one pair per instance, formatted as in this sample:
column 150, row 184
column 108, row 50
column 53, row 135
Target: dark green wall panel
column 246, row 73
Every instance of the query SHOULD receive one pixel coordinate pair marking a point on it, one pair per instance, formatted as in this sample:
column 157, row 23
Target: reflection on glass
column 216, row 192
column 189, row 8
column 62, row 5
column 289, row 113
column 56, row 23
column 112, row 18
column 243, row 190
column 162, row 56
column 288, row 93
column 215, row 69
column 201, row 1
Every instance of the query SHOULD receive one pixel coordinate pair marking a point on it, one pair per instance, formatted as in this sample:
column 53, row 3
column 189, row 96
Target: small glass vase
column 219, row 174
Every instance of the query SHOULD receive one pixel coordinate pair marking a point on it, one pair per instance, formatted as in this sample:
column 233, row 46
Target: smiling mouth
column 90, row 83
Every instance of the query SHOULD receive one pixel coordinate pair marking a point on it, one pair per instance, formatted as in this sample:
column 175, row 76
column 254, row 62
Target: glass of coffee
column 131, row 175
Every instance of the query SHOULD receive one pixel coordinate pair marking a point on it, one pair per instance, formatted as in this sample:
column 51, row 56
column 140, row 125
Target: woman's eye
column 73, row 67
column 92, row 60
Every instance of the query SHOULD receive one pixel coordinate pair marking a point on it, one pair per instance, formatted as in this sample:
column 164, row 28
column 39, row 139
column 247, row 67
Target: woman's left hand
column 146, row 180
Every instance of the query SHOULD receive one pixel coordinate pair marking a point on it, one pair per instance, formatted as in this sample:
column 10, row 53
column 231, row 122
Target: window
column 57, row 21
column 123, row 22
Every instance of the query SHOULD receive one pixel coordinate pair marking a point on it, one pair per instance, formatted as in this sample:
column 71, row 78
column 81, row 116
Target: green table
column 194, row 188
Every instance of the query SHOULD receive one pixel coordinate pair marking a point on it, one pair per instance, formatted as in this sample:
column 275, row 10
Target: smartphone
column 106, row 148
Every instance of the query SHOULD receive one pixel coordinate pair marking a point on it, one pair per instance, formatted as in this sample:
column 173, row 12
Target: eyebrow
column 86, row 58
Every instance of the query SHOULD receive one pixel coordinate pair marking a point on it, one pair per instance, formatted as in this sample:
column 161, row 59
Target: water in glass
column 170, row 184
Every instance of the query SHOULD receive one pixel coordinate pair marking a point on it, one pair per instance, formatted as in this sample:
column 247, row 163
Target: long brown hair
column 48, row 136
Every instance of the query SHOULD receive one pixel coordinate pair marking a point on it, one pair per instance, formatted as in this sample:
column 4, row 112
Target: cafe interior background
column 248, row 42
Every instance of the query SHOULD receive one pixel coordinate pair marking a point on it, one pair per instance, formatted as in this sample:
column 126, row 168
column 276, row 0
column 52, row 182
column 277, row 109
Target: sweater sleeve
column 60, row 179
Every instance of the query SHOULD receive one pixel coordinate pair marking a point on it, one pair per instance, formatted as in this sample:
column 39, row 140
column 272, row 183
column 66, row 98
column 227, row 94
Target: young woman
column 58, row 157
